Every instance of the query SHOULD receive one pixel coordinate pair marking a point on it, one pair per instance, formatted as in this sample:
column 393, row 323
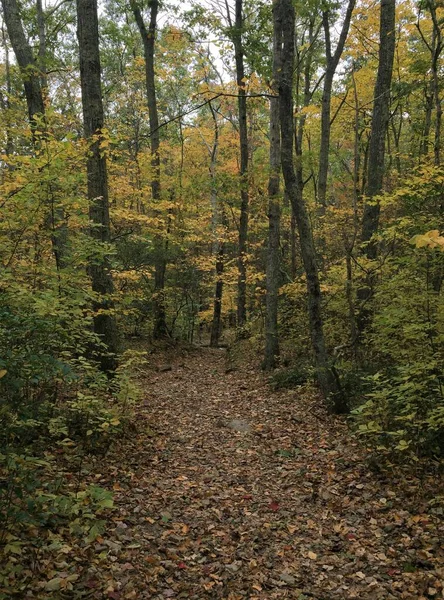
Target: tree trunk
column 99, row 269
column 274, row 215
column 436, row 52
column 25, row 60
column 33, row 76
column 243, row 171
column 218, row 247
column 42, row 45
column 428, row 99
column 332, row 64
column 380, row 120
column 6, row 104
column 148, row 39
column 217, row 308
column 327, row 381
column 376, row 152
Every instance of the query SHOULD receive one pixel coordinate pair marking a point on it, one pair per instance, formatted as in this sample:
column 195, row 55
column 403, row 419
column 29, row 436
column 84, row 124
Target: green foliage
column 404, row 413
column 290, row 378
column 44, row 499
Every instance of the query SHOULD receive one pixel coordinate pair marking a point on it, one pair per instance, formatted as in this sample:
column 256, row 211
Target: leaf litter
column 228, row 490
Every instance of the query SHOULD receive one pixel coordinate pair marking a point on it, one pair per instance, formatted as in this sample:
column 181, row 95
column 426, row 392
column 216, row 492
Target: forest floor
column 230, row 490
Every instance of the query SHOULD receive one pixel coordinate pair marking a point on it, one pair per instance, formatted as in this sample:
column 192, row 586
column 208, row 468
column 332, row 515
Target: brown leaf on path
column 223, row 514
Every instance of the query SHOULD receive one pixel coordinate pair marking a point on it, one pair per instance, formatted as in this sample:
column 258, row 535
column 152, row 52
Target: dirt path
column 232, row 491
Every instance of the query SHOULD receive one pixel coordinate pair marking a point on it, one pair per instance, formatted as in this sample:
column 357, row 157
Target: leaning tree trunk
column 26, row 61
column 332, row 63
column 326, row 378
column 148, row 36
column 99, row 268
column 274, row 214
column 33, row 74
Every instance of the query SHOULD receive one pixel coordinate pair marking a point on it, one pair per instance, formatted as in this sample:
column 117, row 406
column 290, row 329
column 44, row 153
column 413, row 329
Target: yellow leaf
column 312, row 555
column 3, row 372
column 54, row 584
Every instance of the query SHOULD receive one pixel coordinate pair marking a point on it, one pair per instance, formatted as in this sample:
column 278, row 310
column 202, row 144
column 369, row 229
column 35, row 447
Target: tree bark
column 148, row 36
column 34, row 77
column 274, row 214
column 332, row 64
column 6, row 100
column 42, row 46
column 243, row 171
column 327, row 381
column 380, row 120
column 26, row 61
column 93, row 120
column 217, row 307
column 428, row 101
column 218, row 247
column 376, row 152
column 436, row 52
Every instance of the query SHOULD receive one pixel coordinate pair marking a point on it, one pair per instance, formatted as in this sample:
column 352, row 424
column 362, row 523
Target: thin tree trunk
column 218, row 247
column 217, row 306
column 148, row 39
column 274, row 215
column 350, row 303
column 304, row 74
column 396, row 131
column 42, row 45
column 293, row 240
column 437, row 49
column 327, row 381
column 93, row 121
column 6, row 101
column 332, row 64
column 428, row 93
column 236, row 36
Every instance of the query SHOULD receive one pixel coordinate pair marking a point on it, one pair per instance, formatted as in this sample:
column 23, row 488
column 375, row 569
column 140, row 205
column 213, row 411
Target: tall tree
column 326, row 378
column 332, row 61
column 33, row 73
column 148, row 36
column 6, row 98
column 274, row 211
column 42, row 44
column 218, row 245
column 435, row 47
column 236, row 31
column 380, row 121
column 93, row 122
column 25, row 59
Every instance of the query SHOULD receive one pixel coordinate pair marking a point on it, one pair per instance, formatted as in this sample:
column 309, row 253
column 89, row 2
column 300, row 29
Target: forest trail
column 230, row 490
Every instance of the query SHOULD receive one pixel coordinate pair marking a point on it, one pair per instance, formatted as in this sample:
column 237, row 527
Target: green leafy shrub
column 290, row 378
column 404, row 412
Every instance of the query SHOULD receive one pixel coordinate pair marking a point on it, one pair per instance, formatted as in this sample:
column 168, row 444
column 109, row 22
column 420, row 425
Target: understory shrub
column 57, row 410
